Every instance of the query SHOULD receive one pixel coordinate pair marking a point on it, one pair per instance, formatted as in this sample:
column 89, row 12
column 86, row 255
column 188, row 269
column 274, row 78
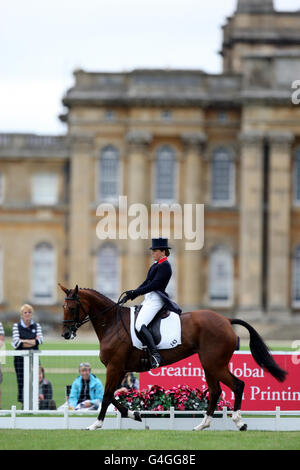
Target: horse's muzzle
column 68, row 334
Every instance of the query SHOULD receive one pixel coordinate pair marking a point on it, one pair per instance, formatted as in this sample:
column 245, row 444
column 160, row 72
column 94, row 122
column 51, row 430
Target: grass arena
column 147, row 440
column 124, row 439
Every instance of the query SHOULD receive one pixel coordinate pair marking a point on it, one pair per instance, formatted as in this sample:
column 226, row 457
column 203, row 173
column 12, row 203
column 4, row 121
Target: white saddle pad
column 170, row 330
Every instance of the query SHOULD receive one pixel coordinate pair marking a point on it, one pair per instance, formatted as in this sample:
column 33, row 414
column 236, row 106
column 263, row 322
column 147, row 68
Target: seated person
column 87, row 390
column 45, row 392
column 130, row 382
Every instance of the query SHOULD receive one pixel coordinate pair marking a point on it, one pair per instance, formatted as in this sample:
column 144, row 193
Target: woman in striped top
column 1, row 344
column 26, row 335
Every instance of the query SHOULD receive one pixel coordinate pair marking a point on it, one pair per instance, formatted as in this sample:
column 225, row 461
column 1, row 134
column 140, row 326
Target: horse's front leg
column 125, row 412
column 114, row 376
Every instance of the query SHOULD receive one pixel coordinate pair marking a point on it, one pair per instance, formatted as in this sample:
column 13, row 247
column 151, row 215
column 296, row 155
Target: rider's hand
column 126, row 298
column 129, row 294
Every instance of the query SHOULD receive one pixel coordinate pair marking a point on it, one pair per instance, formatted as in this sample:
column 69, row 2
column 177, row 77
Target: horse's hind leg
column 214, row 394
column 237, row 386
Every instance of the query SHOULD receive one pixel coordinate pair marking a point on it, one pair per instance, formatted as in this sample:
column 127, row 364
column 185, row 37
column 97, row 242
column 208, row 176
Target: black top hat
column 159, row 244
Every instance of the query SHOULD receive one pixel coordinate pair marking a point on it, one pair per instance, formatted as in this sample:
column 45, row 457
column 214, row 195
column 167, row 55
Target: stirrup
column 156, row 361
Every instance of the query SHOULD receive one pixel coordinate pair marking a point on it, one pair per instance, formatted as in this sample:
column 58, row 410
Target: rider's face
column 158, row 254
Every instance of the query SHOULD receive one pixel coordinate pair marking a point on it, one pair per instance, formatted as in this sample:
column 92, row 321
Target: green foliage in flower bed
column 182, row 398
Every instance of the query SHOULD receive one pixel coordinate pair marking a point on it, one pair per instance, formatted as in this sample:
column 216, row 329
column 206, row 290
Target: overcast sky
column 42, row 42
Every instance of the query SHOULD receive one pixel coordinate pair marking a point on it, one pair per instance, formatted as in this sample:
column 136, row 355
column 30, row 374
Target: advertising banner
column 262, row 391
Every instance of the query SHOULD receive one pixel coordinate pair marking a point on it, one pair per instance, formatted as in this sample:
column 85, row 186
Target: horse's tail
column 261, row 353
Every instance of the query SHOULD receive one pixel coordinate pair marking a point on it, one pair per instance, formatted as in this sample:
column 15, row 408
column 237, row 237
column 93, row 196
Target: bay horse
column 204, row 332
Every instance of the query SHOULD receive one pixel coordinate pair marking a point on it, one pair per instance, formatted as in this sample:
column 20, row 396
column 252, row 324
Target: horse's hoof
column 244, row 427
column 201, row 427
column 137, row 416
column 96, row 425
column 205, row 423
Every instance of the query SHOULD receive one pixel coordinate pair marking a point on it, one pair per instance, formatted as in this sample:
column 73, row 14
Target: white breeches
column 150, row 306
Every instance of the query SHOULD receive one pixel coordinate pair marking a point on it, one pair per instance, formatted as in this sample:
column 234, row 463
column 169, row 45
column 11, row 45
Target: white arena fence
column 61, row 368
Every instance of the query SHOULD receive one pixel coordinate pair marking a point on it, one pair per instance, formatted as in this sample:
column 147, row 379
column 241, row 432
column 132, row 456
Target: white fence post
column 224, row 416
column 35, row 381
column 277, row 419
column 66, row 417
column 119, row 421
column 26, row 383
column 13, row 416
column 172, row 417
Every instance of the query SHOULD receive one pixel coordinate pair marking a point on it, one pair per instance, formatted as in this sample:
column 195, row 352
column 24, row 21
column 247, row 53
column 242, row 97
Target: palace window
column 297, row 178
column 165, row 177
column 166, row 115
column 222, row 117
column 221, row 277
column 110, row 115
column 1, row 188
column 109, row 174
column 296, row 278
column 107, row 271
column 43, row 273
column 45, row 188
column 1, row 275
column 223, row 178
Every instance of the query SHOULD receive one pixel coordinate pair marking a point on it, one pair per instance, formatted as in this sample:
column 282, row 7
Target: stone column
column 251, row 225
column 193, row 145
column 79, row 227
column 278, row 300
column 137, row 184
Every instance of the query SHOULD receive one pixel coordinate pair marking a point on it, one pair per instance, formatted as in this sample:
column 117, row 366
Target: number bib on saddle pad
column 166, row 330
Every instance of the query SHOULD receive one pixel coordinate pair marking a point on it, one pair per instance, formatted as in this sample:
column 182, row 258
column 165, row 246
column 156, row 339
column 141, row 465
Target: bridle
column 76, row 323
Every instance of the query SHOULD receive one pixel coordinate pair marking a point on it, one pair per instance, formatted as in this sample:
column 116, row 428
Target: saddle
column 154, row 325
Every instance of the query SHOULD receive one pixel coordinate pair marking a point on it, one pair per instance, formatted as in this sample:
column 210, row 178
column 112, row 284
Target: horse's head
column 75, row 312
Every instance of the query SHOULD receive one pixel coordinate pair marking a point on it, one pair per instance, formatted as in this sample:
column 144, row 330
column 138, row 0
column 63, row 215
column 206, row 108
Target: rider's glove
column 130, row 294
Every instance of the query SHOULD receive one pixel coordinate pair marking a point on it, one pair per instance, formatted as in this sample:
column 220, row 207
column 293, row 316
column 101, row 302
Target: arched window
column 109, row 174
column 296, row 278
column 297, row 177
column 165, row 174
column 43, row 273
column 223, row 178
column 107, row 271
column 221, row 276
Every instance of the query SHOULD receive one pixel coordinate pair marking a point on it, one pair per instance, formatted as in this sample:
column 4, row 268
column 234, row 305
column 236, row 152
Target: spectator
column 130, row 382
column 1, row 344
column 26, row 335
column 87, row 390
column 45, row 392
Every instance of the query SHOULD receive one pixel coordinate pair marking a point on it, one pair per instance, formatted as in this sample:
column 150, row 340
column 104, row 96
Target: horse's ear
column 76, row 290
column 64, row 288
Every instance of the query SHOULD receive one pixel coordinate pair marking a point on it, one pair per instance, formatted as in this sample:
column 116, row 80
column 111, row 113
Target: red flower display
column 182, row 398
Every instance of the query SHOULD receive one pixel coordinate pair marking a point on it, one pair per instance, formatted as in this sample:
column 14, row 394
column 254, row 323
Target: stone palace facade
column 230, row 141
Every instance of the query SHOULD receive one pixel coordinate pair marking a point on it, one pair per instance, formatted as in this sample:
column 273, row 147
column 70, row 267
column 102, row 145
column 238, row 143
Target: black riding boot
column 148, row 340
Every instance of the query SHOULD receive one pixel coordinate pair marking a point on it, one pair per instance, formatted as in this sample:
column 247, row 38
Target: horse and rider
column 203, row 332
